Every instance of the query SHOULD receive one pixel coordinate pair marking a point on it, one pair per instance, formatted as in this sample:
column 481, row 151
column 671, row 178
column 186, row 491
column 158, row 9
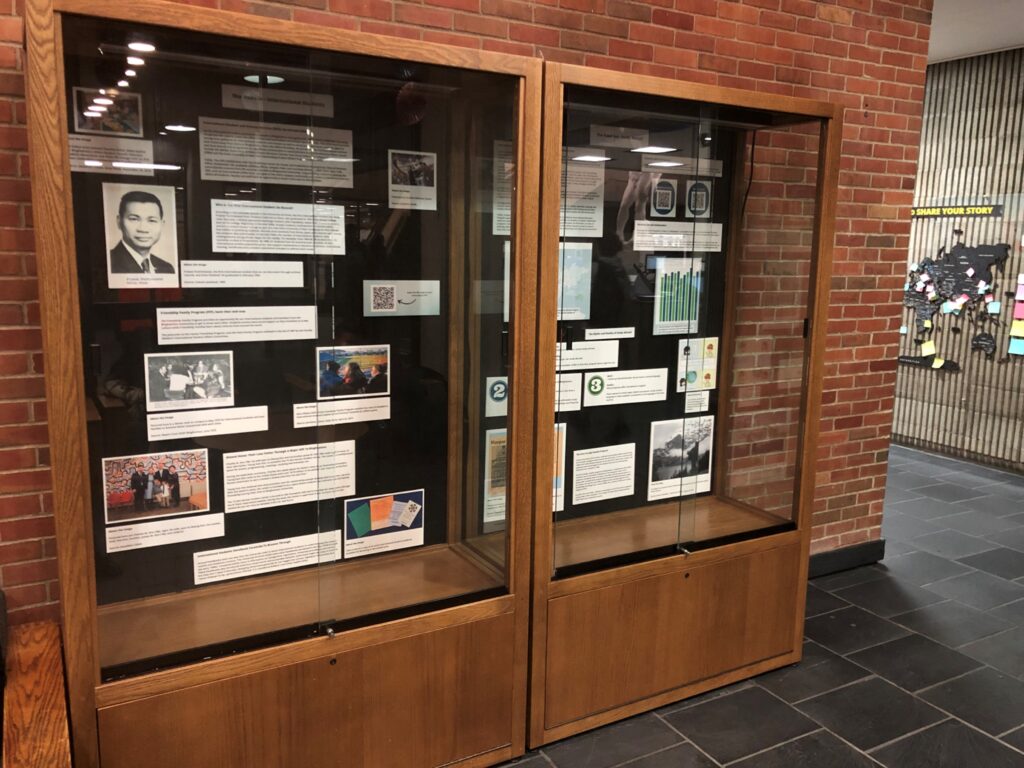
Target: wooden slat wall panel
column 972, row 151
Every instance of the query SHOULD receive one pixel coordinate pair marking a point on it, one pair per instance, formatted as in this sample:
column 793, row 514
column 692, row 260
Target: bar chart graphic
column 677, row 295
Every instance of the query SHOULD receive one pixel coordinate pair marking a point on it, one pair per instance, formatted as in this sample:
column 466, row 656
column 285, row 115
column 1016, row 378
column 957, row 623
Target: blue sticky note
column 906, row 286
column 993, row 307
column 948, row 307
column 1017, row 346
column 903, row 330
column 913, row 267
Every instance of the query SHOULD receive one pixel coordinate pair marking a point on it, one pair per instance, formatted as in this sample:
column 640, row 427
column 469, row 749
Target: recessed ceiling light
column 591, row 158
column 142, row 47
column 92, row 113
column 97, row 108
column 264, row 79
column 654, row 150
column 180, row 128
column 122, row 83
column 665, row 164
column 274, row 80
column 130, row 73
column 135, row 61
column 102, row 100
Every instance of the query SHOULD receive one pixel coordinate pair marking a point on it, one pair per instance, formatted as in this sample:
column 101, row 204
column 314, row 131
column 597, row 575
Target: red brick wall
column 868, row 55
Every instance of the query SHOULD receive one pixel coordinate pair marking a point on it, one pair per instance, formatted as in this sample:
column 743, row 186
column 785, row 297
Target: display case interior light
column 135, row 61
column 665, row 164
column 179, row 128
column 92, row 113
column 654, row 149
column 122, row 83
column 591, row 158
column 102, row 100
column 141, row 46
column 93, row 163
column 130, row 73
column 264, row 79
column 146, row 166
column 97, row 108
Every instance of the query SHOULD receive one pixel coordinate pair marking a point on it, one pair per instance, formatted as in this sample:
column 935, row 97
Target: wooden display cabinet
column 670, row 552
column 416, row 656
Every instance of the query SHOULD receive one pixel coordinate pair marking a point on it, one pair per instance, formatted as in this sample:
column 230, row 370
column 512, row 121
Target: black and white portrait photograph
column 108, row 111
column 179, row 381
column 680, row 458
column 142, row 236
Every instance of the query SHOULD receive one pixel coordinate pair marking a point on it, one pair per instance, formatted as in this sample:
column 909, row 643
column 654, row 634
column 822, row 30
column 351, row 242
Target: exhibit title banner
column 945, row 211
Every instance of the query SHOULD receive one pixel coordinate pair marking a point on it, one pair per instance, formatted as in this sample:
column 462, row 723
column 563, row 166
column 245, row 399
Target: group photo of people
column 181, row 381
column 353, row 371
column 155, row 485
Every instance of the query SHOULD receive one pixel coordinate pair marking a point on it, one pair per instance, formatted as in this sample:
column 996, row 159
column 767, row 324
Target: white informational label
column 586, row 355
column 574, row 277
column 677, row 236
column 412, row 180
column 252, row 226
column 110, row 155
column 215, row 421
column 291, row 475
column 678, row 295
column 383, row 298
column 619, row 136
column 495, row 464
column 265, row 557
column 697, row 402
column 568, row 391
column 680, row 458
column 504, row 171
column 216, row 325
column 257, row 99
column 644, row 385
column 507, row 282
column 497, row 396
column 582, row 212
column 687, row 166
column 603, row 473
column 664, row 196
column 697, row 364
column 274, row 153
column 241, row 274
column 140, row 535
column 601, row 334
column 330, row 412
column 558, row 471
column 384, row 523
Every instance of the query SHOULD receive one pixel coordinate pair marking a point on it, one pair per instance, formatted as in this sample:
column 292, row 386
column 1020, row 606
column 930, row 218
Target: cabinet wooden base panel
column 433, row 699
column 624, row 643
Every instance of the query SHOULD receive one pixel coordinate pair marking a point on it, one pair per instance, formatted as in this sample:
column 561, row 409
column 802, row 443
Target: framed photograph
column 179, row 381
column 140, row 222
column 153, row 485
column 412, row 180
column 353, row 371
column 121, row 117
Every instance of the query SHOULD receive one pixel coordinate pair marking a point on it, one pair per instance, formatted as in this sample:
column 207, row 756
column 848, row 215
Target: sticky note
column 1017, row 329
column 1017, row 346
column 1018, row 311
column 926, row 277
column 1020, row 293
column 948, row 307
column 970, row 272
column 906, row 286
column 1020, row 279
column 928, row 348
column 903, row 330
column 937, row 362
column 913, row 268
column 927, row 323
column 989, row 297
column 993, row 307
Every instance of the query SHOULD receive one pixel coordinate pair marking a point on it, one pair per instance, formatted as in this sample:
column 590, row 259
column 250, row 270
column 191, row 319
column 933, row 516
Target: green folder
column 360, row 519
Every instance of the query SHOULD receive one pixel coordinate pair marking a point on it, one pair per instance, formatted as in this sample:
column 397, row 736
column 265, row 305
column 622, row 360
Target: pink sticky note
column 1020, row 293
column 1018, row 311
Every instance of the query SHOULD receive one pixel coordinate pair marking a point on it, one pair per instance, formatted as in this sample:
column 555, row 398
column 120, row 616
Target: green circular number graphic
column 596, row 385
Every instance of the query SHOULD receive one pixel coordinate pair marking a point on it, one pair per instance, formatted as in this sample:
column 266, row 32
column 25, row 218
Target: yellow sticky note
column 928, row 348
column 927, row 323
column 937, row 362
column 1017, row 329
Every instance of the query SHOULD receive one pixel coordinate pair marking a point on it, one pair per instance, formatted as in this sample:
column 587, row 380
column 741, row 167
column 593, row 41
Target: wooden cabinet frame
column 589, row 603
column 68, row 408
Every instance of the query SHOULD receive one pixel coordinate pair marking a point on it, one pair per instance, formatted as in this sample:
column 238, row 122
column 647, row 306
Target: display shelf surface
column 616, row 534
column 154, row 627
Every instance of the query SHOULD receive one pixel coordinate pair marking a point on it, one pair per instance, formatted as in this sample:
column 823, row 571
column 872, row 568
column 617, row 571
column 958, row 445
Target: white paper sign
column 110, row 155
column 140, row 535
column 412, row 180
column 383, row 298
column 497, row 396
column 294, row 474
column 617, row 387
column 619, row 136
column 696, row 402
column 586, row 355
column 680, row 458
column 603, row 473
column 575, row 264
column 495, row 466
column 329, row 412
column 252, row 226
column 214, row 421
column 216, row 325
column 274, row 153
column 265, row 557
column 600, row 334
column 677, row 236
column 568, row 392
column 241, row 274
column 255, row 99
column 689, row 166
column 582, row 202
column 503, row 172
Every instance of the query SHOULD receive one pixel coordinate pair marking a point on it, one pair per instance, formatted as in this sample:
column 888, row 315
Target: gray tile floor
column 914, row 662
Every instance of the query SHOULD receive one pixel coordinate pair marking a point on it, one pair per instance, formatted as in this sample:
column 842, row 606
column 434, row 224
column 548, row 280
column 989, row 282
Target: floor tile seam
column 908, row 734
column 989, row 637
column 918, row 691
column 819, row 729
column 547, row 759
column 927, row 688
column 954, row 716
column 686, row 738
column 939, row 458
column 975, row 607
column 895, row 621
column 633, row 760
